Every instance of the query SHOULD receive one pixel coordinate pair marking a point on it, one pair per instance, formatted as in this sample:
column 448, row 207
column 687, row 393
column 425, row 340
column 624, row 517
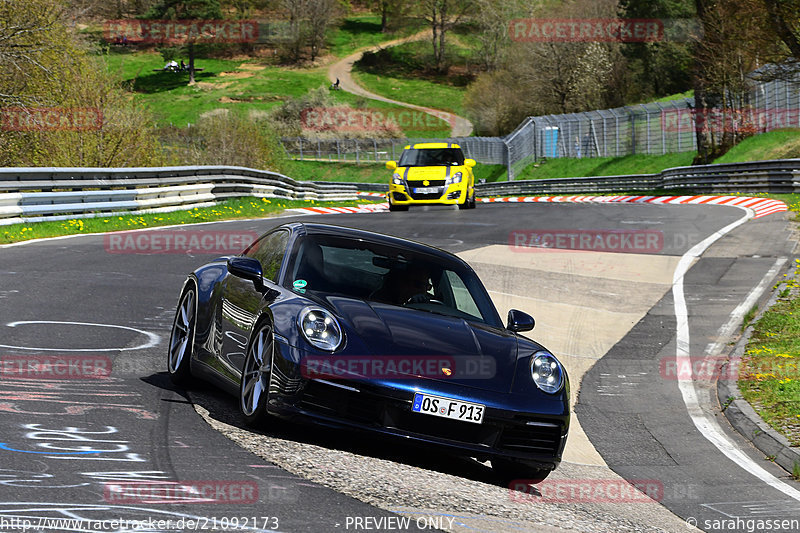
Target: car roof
column 311, row 228
column 433, row 145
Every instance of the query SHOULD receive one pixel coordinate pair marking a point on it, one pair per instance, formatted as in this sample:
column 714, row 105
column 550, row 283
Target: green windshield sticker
column 299, row 284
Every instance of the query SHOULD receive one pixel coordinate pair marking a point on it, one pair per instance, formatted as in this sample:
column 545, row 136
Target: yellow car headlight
column 455, row 178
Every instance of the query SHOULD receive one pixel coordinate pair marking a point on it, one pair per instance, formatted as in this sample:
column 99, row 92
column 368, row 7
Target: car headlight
column 547, row 372
column 397, row 179
column 320, row 328
column 455, row 178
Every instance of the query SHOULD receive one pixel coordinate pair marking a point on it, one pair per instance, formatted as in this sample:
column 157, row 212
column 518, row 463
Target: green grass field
column 231, row 209
column 778, row 144
column 251, row 86
column 769, row 375
column 403, row 73
column 361, row 31
column 240, row 86
column 566, row 167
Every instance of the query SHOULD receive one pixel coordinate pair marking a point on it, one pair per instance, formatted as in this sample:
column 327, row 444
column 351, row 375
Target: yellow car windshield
column 431, row 157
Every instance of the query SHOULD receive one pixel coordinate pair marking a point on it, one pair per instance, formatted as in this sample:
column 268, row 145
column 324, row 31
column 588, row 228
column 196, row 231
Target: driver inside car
column 405, row 285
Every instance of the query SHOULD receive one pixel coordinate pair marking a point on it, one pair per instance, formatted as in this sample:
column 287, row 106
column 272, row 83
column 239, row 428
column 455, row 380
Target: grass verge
column 566, row 167
column 229, row 210
column 778, row 144
column 769, row 375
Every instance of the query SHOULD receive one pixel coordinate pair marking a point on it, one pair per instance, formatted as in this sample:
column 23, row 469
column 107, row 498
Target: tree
column 46, row 67
column 294, row 9
column 442, row 16
column 540, row 78
column 661, row 67
column 492, row 34
column 319, row 14
column 388, row 9
column 734, row 42
column 31, row 41
column 783, row 15
column 186, row 10
column 785, row 22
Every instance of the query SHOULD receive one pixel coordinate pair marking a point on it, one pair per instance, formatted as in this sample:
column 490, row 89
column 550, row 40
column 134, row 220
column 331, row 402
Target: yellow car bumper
column 451, row 195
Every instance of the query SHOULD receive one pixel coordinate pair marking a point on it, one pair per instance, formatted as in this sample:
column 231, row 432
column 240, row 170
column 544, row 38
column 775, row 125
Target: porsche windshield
column 385, row 274
column 431, row 157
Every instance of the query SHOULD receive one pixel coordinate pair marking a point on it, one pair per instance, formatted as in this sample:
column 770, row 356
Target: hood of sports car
column 431, row 346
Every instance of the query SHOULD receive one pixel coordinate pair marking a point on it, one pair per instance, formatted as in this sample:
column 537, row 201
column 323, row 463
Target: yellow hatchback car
column 431, row 173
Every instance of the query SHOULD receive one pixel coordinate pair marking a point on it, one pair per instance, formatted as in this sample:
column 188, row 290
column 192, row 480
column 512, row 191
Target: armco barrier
column 34, row 194
column 777, row 176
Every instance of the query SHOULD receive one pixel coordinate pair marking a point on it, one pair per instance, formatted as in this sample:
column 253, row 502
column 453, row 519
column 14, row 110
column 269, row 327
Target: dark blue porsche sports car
column 354, row 329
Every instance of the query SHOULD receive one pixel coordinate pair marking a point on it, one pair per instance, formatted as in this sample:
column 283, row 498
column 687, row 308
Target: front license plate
column 426, row 190
column 447, row 408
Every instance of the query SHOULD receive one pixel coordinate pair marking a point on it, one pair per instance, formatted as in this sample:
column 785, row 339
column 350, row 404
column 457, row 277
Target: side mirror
column 470, row 162
column 391, row 165
column 519, row 321
column 247, row 268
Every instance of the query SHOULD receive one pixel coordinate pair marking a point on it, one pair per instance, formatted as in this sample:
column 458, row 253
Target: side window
column 462, row 298
column 269, row 250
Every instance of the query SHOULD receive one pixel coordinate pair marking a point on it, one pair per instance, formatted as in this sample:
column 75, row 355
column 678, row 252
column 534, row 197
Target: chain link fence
column 487, row 150
column 655, row 128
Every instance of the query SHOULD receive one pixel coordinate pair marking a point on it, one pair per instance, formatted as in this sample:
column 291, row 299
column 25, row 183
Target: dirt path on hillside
column 459, row 126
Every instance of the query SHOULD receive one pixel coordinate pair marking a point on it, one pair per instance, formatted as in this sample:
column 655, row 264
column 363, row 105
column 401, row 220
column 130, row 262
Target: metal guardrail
column 367, row 187
column 36, row 194
column 776, row 176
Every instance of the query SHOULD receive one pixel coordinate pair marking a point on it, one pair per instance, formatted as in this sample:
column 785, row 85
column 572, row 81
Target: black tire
column 254, row 386
column 510, row 469
column 393, row 207
column 469, row 203
column 181, row 339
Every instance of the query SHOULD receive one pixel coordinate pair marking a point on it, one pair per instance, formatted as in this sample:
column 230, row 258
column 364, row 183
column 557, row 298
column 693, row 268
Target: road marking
column 738, row 314
column 709, row 427
column 152, row 338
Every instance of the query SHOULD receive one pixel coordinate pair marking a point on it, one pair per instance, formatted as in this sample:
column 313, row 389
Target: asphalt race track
column 77, row 448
